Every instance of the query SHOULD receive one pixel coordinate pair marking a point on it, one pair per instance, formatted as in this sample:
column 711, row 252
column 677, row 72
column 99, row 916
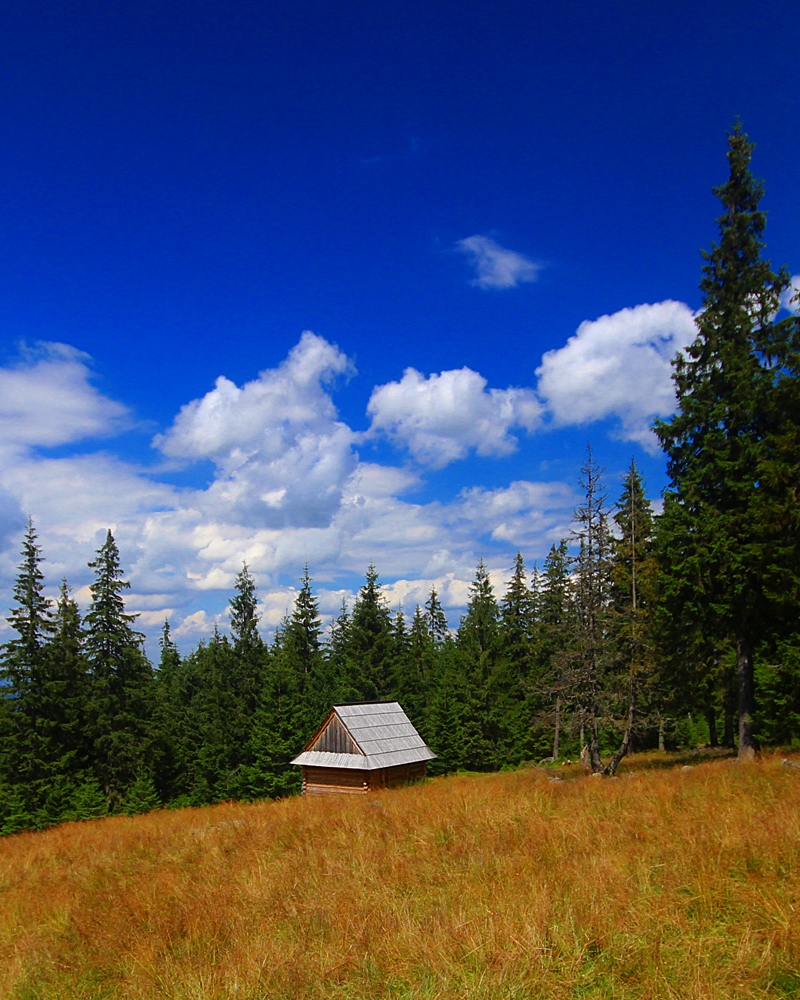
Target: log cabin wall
column 402, row 774
column 333, row 780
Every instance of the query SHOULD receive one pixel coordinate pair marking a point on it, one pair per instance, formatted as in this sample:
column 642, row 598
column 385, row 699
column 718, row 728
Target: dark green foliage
column 727, row 538
column 88, row 800
column 416, row 659
column 302, row 649
column 250, row 652
column 25, row 767
column 122, row 688
column 478, row 644
column 518, row 613
column 453, row 728
column 591, row 652
column 369, row 655
column 556, row 628
column 436, row 619
column 778, row 710
column 142, row 796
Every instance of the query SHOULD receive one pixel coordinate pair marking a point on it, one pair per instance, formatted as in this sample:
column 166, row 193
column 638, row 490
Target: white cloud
column 440, row 418
column 495, row 266
column 618, row 365
column 197, row 625
column 48, row 400
column 790, row 300
column 522, row 514
column 281, row 454
column 288, row 487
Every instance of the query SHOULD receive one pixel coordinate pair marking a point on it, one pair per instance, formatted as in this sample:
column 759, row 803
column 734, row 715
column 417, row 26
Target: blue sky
column 507, row 199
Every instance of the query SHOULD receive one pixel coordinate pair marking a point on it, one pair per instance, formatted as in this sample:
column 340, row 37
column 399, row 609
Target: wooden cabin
column 360, row 748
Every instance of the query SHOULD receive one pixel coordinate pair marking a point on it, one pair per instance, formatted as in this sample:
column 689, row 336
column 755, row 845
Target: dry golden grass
column 672, row 883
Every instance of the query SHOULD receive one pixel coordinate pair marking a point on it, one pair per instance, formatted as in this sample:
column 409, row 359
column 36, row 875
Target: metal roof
column 383, row 734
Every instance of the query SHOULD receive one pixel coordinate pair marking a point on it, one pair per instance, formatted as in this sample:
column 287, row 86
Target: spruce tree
column 557, row 627
column 121, row 680
column 591, row 648
column 246, row 681
column 633, row 591
column 436, row 619
column 478, row 631
column 369, row 652
column 281, row 724
column 23, row 769
column 336, row 653
column 170, row 730
column 475, row 657
column 303, row 647
column 250, row 651
column 512, row 685
column 416, row 683
column 63, row 714
column 518, row 614
column 725, row 559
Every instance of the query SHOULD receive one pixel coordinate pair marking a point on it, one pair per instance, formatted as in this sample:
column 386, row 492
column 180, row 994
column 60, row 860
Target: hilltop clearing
column 661, row 883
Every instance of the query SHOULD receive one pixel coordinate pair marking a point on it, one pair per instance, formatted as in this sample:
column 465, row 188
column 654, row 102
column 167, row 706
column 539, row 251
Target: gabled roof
column 381, row 732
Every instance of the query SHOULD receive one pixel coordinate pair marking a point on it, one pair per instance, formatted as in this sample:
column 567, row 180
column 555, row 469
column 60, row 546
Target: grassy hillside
column 662, row 883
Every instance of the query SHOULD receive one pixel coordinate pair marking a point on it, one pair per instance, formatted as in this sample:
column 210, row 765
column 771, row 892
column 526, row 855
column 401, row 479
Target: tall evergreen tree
column 725, row 559
column 303, row 647
column 415, row 682
column 518, row 614
column 337, row 646
column 512, row 686
column 281, row 724
column 121, row 680
column 478, row 632
column 436, row 619
column 557, row 628
column 169, row 717
column 477, row 652
column 63, row 719
column 369, row 651
column 31, row 619
column 591, row 647
column 22, row 679
column 633, row 585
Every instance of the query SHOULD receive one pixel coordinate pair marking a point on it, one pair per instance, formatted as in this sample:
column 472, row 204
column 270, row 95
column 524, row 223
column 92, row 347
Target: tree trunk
column 711, row 717
column 727, row 734
column 557, row 732
column 625, row 746
column 661, row 733
column 594, row 743
column 744, row 670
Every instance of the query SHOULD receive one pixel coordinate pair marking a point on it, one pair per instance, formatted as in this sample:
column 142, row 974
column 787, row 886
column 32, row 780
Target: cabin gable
column 333, row 737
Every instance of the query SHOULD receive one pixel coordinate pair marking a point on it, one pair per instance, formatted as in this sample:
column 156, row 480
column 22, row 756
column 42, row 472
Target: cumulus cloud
column 523, row 513
column 281, row 454
column 790, row 300
column 440, row 418
column 288, row 485
column 618, row 365
column 495, row 265
column 48, row 399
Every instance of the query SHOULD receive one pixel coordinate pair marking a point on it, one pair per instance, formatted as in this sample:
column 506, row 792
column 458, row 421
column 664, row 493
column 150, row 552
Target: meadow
column 664, row 882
